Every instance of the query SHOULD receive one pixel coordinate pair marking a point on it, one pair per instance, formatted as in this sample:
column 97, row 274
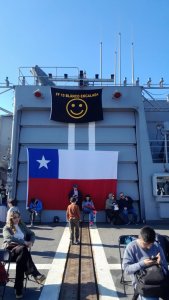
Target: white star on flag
column 43, row 162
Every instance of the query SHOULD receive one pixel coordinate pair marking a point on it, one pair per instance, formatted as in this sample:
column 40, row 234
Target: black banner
column 76, row 106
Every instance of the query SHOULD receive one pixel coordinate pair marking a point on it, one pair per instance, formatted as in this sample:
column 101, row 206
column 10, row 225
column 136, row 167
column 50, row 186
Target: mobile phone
column 154, row 258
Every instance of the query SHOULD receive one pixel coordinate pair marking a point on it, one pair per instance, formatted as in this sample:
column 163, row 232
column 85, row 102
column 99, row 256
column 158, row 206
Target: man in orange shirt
column 73, row 216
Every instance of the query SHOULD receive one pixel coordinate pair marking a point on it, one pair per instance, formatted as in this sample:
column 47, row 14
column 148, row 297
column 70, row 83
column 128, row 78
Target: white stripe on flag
column 82, row 164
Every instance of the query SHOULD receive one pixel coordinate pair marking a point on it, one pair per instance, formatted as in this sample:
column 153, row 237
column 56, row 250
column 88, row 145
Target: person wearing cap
column 73, row 217
column 12, row 207
column 76, row 194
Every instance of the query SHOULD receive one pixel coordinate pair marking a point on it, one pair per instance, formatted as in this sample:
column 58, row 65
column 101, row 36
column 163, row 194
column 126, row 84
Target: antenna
column 120, row 58
column 115, row 66
column 132, row 63
column 101, row 61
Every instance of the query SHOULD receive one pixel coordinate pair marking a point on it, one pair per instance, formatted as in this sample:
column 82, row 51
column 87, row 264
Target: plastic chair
column 124, row 240
column 5, row 258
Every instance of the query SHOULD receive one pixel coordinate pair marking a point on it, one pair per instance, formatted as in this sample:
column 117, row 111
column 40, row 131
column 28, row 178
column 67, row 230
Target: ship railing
column 71, row 76
column 160, row 150
column 76, row 81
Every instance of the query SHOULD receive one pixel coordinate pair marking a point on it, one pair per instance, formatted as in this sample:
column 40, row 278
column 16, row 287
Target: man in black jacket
column 76, row 194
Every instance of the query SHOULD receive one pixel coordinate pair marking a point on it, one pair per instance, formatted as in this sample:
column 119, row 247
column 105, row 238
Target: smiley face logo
column 76, row 108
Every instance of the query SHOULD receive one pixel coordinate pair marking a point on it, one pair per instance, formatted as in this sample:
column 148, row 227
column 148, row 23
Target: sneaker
column 31, row 224
column 77, row 242
column 18, row 294
column 90, row 223
column 40, row 278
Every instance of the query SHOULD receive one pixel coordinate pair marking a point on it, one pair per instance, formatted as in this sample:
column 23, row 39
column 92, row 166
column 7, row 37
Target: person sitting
column 131, row 210
column 109, row 208
column 35, row 209
column 138, row 255
column 12, row 207
column 76, row 194
column 3, row 194
column 88, row 208
column 19, row 239
column 117, row 220
column 126, row 207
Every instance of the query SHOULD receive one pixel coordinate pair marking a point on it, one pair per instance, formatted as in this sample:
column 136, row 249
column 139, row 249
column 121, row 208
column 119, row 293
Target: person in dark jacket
column 126, row 207
column 131, row 210
column 75, row 193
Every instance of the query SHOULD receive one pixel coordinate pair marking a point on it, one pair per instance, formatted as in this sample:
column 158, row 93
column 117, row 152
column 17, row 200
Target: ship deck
column 50, row 255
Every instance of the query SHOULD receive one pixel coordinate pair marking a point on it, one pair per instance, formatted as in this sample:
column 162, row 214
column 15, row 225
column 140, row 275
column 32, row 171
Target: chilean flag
column 53, row 172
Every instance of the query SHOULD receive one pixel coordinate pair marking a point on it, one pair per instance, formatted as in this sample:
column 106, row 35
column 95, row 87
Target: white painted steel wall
column 123, row 129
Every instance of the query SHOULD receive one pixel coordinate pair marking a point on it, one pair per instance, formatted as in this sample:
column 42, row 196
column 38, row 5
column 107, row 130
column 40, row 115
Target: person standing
column 76, row 194
column 73, row 217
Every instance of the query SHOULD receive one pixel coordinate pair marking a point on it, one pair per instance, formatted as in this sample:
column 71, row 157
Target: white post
column 71, row 136
column 91, row 135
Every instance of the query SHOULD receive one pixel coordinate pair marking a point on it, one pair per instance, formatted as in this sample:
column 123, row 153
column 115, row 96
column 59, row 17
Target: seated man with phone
column 141, row 254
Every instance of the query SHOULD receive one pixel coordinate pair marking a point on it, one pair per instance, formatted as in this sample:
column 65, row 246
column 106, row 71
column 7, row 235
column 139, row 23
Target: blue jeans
column 90, row 212
column 129, row 211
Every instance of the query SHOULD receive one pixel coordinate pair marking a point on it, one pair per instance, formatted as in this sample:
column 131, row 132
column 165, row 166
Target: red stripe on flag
column 54, row 192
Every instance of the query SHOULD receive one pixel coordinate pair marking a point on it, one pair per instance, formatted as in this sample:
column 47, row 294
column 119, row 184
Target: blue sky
column 69, row 32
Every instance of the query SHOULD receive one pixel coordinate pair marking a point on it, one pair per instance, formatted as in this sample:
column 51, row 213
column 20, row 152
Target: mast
column 115, row 66
column 120, row 58
column 101, row 61
column 132, row 63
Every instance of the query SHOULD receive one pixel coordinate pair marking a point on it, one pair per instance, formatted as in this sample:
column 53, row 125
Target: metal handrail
column 160, row 150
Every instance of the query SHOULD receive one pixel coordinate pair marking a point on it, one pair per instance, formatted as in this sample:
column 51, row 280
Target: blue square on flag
column 43, row 163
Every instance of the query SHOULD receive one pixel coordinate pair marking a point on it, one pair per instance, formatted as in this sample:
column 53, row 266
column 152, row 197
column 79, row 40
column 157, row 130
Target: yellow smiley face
column 76, row 108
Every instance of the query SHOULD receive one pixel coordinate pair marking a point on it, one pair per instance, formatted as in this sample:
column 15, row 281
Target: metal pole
column 120, row 58
column 165, row 148
column 101, row 61
column 132, row 62
column 115, row 66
